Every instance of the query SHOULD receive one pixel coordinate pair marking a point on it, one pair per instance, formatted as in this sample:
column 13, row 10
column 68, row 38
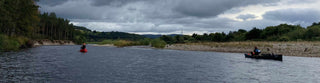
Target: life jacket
column 258, row 50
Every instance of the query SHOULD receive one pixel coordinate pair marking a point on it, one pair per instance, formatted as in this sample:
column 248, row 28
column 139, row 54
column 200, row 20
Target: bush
column 145, row 41
column 158, row 43
column 79, row 39
column 122, row 43
column 9, row 44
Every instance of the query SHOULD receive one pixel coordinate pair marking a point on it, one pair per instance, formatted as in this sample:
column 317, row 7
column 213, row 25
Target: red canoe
column 83, row 50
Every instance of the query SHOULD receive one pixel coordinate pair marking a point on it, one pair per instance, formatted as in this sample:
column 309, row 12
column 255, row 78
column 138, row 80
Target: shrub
column 8, row 44
column 158, row 43
column 122, row 43
column 145, row 41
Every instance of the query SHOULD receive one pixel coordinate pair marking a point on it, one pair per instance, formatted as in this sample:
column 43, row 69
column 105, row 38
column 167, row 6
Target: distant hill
column 152, row 36
column 81, row 28
column 94, row 36
column 99, row 36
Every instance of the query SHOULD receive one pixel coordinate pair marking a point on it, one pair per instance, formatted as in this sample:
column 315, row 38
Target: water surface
column 64, row 64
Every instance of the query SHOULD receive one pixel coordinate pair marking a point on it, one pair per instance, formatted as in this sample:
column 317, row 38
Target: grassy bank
column 157, row 43
column 12, row 43
column 301, row 48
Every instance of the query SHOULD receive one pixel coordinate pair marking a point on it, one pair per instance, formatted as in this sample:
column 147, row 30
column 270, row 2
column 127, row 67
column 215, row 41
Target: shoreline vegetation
column 156, row 43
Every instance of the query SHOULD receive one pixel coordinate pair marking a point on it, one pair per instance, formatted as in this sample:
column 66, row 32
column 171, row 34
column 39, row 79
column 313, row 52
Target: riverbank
column 157, row 43
column 51, row 42
column 15, row 43
column 304, row 49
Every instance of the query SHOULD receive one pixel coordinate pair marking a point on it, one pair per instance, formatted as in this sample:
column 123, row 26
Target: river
column 64, row 64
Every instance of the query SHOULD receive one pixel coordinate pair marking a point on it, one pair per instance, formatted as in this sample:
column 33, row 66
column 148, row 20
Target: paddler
column 256, row 51
column 83, row 46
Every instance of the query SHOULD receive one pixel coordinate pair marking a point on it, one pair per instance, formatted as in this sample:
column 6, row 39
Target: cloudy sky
column 189, row 16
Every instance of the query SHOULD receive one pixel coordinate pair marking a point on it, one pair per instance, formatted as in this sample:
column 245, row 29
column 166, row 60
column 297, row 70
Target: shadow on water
column 144, row 65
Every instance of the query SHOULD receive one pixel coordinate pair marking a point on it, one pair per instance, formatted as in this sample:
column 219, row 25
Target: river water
column 64, row 64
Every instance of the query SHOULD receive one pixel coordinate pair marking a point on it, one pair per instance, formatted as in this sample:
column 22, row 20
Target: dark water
column 64, row 64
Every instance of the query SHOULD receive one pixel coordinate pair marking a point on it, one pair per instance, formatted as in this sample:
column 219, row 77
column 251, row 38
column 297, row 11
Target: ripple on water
column 144, row 65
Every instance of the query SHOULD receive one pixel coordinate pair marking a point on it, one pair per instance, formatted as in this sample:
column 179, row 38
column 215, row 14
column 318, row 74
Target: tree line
column 22, row 18
column 96, row 36
column 21, row 21
column 18, row 17
column 282, row 32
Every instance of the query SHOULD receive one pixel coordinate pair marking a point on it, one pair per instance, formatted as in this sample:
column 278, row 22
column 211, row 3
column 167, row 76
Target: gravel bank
column 305, row 49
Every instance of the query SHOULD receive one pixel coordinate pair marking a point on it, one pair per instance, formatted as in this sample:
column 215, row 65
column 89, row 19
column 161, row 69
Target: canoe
column 83, row 50
column 265, row 56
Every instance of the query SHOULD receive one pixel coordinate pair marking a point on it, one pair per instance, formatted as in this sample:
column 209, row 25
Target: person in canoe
column 83, row 48
column 256, row 51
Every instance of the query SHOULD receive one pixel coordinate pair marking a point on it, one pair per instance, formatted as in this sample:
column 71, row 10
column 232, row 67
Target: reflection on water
column 142, row 65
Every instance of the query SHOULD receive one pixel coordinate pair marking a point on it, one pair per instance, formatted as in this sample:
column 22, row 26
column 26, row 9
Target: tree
column 313, row 33
column 168, row 39
column 253, row 34
column 179, row 39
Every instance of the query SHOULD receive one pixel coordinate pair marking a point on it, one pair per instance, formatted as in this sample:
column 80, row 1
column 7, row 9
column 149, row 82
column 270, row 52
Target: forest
column 21, row 21
column 282, row 32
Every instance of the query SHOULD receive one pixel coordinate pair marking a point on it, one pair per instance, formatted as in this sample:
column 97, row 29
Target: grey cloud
column 233, row 10
column 153, row 9
column 247, row 25
column 209, row 8
column 246, row 16
column 110, row 2
column 300, row 1
column 81, row 9
column 52, row 2
column 296, row 16
column 169, row 16
column 115, row 2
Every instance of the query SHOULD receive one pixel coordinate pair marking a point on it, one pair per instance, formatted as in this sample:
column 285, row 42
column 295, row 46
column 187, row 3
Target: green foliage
column 80, row 39
column 313, row 32
column 297, row 34
column 99, row 36
column 275, row 32
column 168, row 39
column 218, row 37
column 8, row 44
column 158, row 43
column 180, row 39
column 145, row 41
column 282, row 32
column 122, row 43
column 18, row 17
column 239, row 35
column 253, row 34
column 188, row 39
column 54, row 28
